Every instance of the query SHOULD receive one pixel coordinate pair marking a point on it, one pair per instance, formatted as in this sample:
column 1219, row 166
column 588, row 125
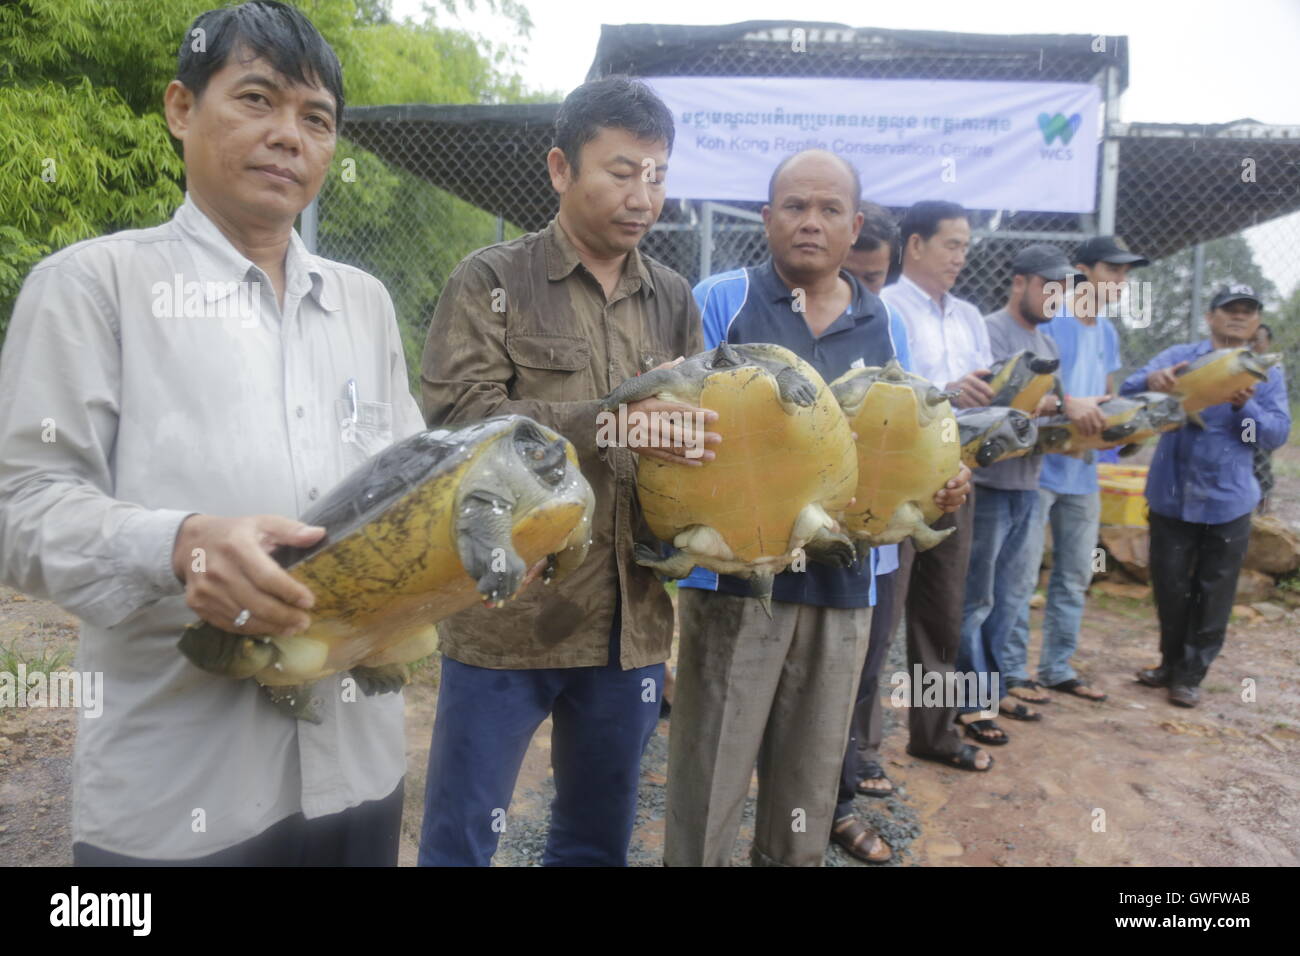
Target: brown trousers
column 749, row 690
column 932, row 588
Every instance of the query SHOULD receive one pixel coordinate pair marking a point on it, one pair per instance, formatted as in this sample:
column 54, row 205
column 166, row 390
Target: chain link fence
column 415, row 189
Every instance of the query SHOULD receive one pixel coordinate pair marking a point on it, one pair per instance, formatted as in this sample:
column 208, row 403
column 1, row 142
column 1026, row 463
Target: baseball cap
column 1040, row 259
column 1234, row 293
column 1108, row 249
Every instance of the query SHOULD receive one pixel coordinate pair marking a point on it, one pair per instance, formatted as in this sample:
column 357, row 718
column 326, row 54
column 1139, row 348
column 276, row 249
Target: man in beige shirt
column 155, row 382
column 544, row 326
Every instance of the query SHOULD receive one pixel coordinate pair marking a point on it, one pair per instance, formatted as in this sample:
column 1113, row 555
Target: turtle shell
column 772, row 462
column 1214, row 377
column 1017, row 385
column 907, row 451
column 388, row 566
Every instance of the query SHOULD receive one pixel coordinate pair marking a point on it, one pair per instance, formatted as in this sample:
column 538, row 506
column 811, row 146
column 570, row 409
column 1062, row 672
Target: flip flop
column 982, row 730
column 963, row 759
column 1033, row 687
column 871, row 770
column 1072, row 686
column 1019, row 712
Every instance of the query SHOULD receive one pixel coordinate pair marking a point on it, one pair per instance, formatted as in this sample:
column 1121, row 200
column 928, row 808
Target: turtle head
column 543, row 456
column 1040, row 365
column 893, row 372
column 1258, row 364
column 724, row 356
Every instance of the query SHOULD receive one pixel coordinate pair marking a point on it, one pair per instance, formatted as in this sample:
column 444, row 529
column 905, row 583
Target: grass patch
column 47, row 661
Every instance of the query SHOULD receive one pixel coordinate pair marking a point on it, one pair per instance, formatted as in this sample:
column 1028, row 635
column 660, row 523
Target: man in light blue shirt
column 1201, row 490
column 1068, row 489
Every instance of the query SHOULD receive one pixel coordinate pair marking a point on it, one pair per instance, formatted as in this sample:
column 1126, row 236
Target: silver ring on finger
column 243, row 617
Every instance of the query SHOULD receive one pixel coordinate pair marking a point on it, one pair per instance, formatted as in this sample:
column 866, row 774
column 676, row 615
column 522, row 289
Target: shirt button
column 313, row 494
column 300, row 411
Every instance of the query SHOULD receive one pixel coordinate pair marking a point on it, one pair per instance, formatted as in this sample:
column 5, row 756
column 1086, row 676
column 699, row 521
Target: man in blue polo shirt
column 1201, row 490
column 1068, row 489
column 779, row 692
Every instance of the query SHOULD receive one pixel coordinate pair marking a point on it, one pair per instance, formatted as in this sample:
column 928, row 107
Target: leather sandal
column 871, row 770
column 859, row 841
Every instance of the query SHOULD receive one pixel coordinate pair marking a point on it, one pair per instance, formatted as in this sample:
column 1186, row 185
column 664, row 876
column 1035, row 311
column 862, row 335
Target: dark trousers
column 1194, row 569
column 932, row 588
column 865, row 727
column 364, row 835
column 602, row 719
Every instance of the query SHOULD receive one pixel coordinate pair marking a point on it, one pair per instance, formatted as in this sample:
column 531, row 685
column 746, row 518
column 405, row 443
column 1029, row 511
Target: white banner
column 1014, row 146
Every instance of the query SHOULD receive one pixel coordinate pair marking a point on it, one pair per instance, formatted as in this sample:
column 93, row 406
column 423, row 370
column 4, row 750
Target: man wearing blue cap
column 1201, row 491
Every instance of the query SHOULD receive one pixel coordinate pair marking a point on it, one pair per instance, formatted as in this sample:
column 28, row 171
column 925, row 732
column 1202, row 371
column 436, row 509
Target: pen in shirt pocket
column 352, row 397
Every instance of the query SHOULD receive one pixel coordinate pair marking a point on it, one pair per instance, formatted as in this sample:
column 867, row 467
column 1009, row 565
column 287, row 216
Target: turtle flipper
column 1130, row 450
column 850, row 392
column 830, row 547
column 794, row 388
column 676, row 565
column 487, row 552
column 645, row 385
column 384, row 679
column 293, row 700
column 760, row 588
column 220, row 652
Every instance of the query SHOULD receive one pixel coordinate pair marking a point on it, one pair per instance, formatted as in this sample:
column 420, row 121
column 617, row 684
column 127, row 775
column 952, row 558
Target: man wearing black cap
column 1000, row 579
column 1070, row 497
column 1201, row 490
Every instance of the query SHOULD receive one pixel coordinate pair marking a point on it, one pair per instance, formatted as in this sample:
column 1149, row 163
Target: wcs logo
column 1058, row 125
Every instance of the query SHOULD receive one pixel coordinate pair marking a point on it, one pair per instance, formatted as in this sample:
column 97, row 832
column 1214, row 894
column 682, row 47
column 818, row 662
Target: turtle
column 786, row 463
column 420, row 531
column 1215, row 376
column 994, row 433
column 1162, row 413
column 1020, row 381
column 907, row 451
column 1129, row 422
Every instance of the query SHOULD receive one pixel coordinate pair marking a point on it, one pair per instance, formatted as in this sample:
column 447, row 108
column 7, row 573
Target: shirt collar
column 917, row 291
column 219, row 263
column 562, row 259
column 863, row 306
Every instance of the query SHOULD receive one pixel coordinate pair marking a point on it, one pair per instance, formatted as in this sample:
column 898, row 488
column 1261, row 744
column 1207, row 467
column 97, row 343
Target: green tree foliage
column 1227, row 260
column 84, row 149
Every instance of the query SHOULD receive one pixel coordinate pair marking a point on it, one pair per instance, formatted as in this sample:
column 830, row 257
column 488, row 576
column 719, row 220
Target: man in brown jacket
column 544, row 326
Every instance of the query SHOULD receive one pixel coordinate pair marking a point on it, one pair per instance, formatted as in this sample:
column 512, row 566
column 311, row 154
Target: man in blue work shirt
column 1201, row 491
column 1070, row 497
column 780, row 692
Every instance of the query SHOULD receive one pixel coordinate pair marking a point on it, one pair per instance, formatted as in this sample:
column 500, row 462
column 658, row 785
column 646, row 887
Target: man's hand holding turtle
column 1164, row 379
column 975, row 391
column 1085, row 414
column 674, row 438
column 953, row 495
column 240, row 589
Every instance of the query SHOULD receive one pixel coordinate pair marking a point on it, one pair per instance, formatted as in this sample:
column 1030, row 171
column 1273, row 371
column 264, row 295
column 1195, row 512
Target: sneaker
column 1154, row 677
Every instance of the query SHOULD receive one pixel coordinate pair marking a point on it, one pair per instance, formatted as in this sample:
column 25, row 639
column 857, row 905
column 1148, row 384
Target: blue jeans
column 999, row 581
column 602, row 719
column 1074, row 520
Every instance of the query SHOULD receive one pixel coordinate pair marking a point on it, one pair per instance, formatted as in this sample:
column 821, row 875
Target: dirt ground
column 1131, row 781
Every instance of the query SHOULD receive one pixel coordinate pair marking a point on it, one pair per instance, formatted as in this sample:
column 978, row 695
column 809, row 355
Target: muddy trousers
column 1194, row 569
column 777, row 693
column 932, row 589
column 364, row 835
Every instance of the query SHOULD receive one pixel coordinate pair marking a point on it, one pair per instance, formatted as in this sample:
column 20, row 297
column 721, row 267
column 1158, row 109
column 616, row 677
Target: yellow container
column 1123, row 494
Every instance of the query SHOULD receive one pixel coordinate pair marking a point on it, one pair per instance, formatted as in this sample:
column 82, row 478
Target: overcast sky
column 1190, row 61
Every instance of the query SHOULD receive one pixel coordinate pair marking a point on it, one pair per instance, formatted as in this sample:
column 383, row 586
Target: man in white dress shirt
column 949, row 345
column 170, row 399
